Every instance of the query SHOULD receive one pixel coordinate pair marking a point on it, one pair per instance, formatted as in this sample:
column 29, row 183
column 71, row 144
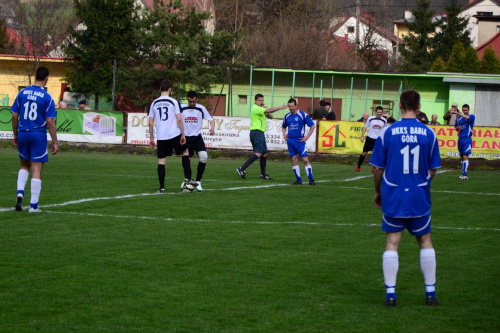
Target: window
column 350, row 29
column 498, row 28
column 242, row 99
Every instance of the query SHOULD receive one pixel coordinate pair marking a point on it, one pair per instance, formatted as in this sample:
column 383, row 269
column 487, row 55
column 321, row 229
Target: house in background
column 483, row 16
column 493, row 42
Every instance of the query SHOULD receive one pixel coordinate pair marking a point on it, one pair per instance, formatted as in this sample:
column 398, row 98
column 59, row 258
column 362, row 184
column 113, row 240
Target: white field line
column 168, row 219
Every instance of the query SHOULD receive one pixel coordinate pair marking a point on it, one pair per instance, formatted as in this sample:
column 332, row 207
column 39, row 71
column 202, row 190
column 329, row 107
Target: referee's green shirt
column 257, row 118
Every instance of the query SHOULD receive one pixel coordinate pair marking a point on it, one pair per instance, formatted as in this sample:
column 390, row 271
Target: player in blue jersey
column 296, row 122
column 464, row 126
column 405, row 157
column 33, row 111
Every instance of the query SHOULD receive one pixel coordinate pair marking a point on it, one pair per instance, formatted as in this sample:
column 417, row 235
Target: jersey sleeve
column 258, row 110
column 51, row 109
column 151, row 113
column 379, row 155
column 15, row 105
column 472, row 119
column 206, row 114
column 284, row 124
column 309, row 121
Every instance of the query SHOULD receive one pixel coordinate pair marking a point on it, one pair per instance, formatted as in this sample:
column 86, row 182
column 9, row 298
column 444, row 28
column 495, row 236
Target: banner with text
column 343, row 137
column 230, row 132
column 77, row 126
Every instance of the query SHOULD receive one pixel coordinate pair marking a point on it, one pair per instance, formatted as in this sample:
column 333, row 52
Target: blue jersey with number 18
column 34, row 105
column 406, row 151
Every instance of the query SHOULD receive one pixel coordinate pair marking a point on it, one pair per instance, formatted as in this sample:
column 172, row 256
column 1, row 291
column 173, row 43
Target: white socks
column 36, row 188
column 296, row 171
column 309, row 172
column 22, row 179
column 428, row 266
column 390, row 266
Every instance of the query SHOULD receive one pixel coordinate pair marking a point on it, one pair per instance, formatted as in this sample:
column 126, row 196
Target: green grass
column 248, row 259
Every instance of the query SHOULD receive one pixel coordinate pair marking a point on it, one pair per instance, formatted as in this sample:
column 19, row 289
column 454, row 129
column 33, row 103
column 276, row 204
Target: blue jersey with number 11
column 34, row 105
column 407, row 150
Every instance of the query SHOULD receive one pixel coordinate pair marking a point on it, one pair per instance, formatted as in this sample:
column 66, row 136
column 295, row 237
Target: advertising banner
column 230, row 132
column 343, row 137
column 76, row 126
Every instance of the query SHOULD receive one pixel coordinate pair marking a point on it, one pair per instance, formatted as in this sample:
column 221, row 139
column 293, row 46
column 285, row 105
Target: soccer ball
column 186, row 188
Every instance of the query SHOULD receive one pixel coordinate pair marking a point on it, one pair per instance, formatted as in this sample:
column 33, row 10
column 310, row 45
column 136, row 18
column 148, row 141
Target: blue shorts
column 296, row 147
column 417, row 226
column 32, row 146
column 464, row 146
column 258, row 140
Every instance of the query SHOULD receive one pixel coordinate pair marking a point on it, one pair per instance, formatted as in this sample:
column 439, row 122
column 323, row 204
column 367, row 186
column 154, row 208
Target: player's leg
column 428, row 266
column 255, row 156
column 295, row 167
column 262, row 147
column 363, row 154
column 308, row 167
column 390, row 266
column 465, row 166
column 24, row 151
column 162, row 149
column 36, row 185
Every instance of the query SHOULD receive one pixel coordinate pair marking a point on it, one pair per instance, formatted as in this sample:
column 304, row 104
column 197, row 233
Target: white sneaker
column 33, row 210
column 198, row 187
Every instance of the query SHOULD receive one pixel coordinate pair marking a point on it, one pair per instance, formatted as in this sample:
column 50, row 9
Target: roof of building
column 363, row 18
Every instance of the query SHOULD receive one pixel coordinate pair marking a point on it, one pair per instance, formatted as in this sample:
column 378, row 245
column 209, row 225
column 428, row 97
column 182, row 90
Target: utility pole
column 358, row 10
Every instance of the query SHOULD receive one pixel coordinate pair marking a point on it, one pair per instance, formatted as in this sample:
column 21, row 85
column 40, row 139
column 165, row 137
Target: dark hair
column 292, row 100
column 41, row 73
column 166, row 84
column 322, row 103
column 192, row 94
column 258, row 96
column 410, row 99
column 379, row 108
column 466, row 106
column 82, row 102
column 328, row 103
column 324, row 115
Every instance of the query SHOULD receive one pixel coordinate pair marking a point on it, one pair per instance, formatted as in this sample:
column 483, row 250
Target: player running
column 193, row 115
column 374, row 125
column 296, row 121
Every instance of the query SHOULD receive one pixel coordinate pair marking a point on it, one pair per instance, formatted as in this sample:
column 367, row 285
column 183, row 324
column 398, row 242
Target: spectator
column 450, row 116
column 422, row 117
column 324, row 116
column 364, row 117
column 62, row 105
column 390, row 119
column 82, row 105
column 330, row 114
column 319, row 111
column 434, row 121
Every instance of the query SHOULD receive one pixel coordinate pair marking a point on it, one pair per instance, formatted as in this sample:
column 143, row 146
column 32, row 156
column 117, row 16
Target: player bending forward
column 296, row 121
column 405, row 157
column 192, row 115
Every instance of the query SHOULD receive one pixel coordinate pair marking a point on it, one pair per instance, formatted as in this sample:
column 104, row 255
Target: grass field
column 248, row 255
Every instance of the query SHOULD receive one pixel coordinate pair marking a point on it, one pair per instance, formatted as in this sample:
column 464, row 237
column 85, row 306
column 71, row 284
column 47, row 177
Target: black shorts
column 258, row 140
column 195, row 144
column 165, row 147
column 369, row 144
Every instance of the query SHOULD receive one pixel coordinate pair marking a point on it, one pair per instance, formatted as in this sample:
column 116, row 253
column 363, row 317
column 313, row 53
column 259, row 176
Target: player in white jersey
column 374, row 125
column 405, row 158
column 166, row 112
column 193, row 115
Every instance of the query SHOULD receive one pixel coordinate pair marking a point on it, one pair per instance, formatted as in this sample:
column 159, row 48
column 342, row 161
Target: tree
column 471, row 61
column 453, row 29
column 490, row 64
column 42, row 24
column 105, row 36
column 439, row 66
column 456, row 64
column 5, row 45
column 418, row 44
column 175, row 45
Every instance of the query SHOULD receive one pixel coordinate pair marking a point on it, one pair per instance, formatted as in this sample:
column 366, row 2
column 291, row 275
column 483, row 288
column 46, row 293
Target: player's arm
column 212, row 127
column 180, row 121
column 363, row 134
column 268, row 111
column 311, row 130
column 283, row 130
column 151, row 133
column 51, row 124
column 432, row 173
column 462, row 115
column 377, row 178
column 15, row 121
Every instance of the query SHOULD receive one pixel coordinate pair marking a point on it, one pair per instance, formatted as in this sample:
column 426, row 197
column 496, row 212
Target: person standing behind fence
column 33, row 112
column 166, row 111
column 296, row 122
column 258, row 116
column 193, row 115
column 374, row 125
column 405, row 157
